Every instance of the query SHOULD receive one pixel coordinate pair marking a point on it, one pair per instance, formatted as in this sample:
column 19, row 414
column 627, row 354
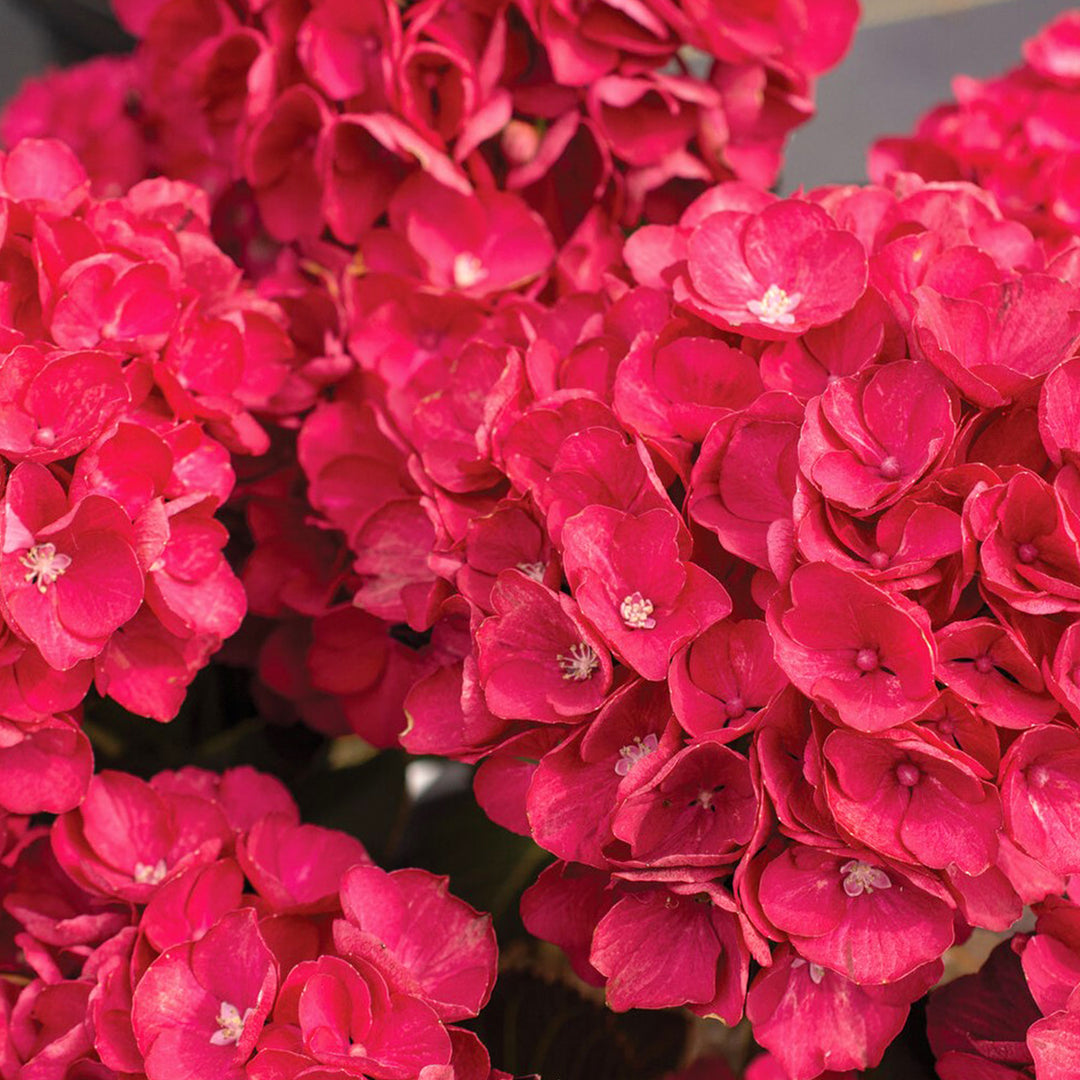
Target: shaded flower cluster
column 1018, row 1017
column 1015, row 135
column 132, row 360
column 307, row 117
column 191, row 928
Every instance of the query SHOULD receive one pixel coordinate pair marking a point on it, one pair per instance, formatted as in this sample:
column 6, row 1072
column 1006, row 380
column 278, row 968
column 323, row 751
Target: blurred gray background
column 902, row 63
column 903, row 59
column 36, row 34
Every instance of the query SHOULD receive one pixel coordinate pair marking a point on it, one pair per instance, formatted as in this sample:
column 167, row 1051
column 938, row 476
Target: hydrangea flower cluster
column 191, row 928
column 743, row 554
column 1015, row 135
column 131, row 360
column 315, row 113
column 391, row 176
column 751, row 581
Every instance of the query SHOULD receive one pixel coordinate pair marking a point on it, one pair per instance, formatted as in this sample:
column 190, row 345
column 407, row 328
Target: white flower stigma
column 775, row 307
column 468, row 270
column 860, row 877
column 580, row 663
column 44, row 564
column 632, row 753
column 636, row 612
column 230, row 1025
column 147, row 874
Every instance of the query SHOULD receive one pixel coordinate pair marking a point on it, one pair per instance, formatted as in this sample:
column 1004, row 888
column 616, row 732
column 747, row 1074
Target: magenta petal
column 446, row 946
column 657, row 950
column 43, row 169
column 1055, row 1045
column 298, row 867
column 47, row 769
column 103, row 587
column 184, row 908
column 811, row 1019
column 178, row 1002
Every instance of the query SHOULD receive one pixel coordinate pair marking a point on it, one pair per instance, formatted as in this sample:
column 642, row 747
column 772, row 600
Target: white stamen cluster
column 775, row 306
column 580, row 663
column 44, row 564
column 860, row 877
column 230, row 1025
column 631, row 754
column 636, row 612
column 468, row 270
column 150, row 873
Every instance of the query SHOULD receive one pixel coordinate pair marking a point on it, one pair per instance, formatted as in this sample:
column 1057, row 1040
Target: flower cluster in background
column 319, row 110
column 1016, row 135
column 143, row 371
column 191, row 928
column 392, row 179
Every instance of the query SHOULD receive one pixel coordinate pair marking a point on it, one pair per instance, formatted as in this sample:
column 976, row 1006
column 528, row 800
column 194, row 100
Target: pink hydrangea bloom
column 126, row 337
column 343, row 1015
column 188, row 973
column 866, row 655
column 742, row 553
column 71, row 574
column 776, row 273
column 630, row 579
column 868, row 921
column 390, row 919
column 198, row 1010
column 126, row 838
column 811, row 1018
